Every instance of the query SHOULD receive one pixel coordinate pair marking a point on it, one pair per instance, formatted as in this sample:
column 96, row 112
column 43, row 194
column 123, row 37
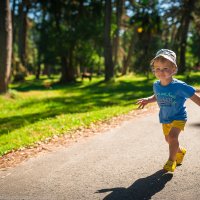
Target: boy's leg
column 167, row 140
column 173, row 142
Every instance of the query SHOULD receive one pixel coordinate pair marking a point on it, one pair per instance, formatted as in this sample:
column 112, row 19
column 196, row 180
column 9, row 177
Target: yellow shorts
column 176, row 123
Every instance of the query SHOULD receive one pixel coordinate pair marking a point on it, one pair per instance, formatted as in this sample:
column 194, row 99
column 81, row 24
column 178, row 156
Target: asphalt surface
column 124, row 163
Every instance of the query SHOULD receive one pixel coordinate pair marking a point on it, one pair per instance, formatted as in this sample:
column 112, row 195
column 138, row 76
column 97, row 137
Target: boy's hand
column 142, row 102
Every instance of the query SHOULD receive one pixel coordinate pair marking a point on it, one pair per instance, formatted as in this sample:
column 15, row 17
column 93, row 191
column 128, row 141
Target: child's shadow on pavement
column 143, row 188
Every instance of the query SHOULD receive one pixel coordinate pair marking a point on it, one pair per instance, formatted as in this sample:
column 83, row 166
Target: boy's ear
column 175, row 70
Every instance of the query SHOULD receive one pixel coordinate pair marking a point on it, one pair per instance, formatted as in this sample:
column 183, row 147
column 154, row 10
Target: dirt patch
column 14, row 158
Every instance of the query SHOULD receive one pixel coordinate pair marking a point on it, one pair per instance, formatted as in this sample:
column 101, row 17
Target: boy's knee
column 172, row 138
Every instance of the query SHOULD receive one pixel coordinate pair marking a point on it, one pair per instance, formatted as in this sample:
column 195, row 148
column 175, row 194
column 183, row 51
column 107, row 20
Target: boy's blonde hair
column 162, row 60
column 165, row 55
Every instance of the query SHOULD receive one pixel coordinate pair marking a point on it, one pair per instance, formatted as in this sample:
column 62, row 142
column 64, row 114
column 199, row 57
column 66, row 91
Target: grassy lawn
column 35, row 112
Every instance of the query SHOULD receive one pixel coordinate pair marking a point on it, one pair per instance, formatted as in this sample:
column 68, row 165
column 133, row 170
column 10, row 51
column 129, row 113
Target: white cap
column 166, row 53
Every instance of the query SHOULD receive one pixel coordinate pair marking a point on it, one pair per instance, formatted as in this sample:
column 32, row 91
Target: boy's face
column 163, row 70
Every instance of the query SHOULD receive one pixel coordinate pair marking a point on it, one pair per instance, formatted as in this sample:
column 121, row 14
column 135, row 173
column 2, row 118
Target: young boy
column 170, row 95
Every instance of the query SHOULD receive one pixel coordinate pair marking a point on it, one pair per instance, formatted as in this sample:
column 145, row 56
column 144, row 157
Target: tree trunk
column 126, row 62
column 5, row 45
column 109, row 67
column 38, row 71
column 67, row 70
column 13, row 33
column 22, row 35
column 186, row 18
column 116, row 39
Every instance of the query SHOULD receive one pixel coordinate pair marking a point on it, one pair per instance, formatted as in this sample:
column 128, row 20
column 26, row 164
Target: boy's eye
column 159, row 69
column 156, row 69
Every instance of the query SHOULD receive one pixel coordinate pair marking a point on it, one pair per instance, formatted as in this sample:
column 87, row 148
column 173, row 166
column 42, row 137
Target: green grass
column 33, row 112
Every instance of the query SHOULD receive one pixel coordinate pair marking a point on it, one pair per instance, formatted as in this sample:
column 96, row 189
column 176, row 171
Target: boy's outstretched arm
column 196, row 99
column 144, row 101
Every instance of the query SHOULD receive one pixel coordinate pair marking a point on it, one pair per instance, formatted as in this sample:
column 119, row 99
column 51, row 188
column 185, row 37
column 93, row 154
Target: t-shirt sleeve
column 186, row 90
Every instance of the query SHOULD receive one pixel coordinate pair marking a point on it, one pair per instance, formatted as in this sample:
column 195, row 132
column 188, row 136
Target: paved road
column 122, row 164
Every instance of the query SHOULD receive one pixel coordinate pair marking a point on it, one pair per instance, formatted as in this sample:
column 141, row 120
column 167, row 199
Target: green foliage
column 147, row 29
column 192, row 78
column 75, row 30
column 193, row 50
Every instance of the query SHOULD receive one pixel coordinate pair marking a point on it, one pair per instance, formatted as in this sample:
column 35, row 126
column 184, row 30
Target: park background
column 70, row 64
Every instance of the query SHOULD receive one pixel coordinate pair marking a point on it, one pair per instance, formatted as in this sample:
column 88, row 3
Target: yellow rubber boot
column 170, row 166
column 180, row 156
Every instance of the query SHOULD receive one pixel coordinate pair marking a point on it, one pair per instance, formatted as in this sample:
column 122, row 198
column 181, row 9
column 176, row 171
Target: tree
column 109, row 66
column 144, row 35
column 66, row 29
column 188, row 8
column 178, row 18
column 127, row 60
column 23, row 9
column 5, row 44
column 119, row 13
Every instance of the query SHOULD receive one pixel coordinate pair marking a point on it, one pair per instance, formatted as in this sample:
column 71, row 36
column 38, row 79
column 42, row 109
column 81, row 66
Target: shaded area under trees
column 108, row 38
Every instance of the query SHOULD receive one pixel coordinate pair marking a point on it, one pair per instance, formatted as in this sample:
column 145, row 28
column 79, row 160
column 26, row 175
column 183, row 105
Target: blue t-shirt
column 171, row 100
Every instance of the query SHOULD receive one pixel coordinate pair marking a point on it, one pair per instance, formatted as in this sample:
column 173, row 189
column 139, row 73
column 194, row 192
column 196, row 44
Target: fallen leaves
column 15, row 157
